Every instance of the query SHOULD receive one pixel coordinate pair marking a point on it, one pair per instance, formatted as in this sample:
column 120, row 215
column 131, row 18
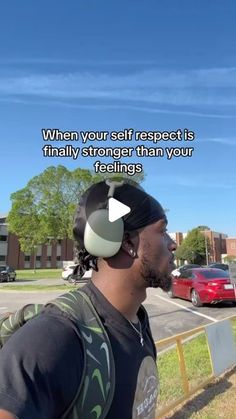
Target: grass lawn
column 39, row 287
column 38, row 274
column 210, row 403
column 198, row 369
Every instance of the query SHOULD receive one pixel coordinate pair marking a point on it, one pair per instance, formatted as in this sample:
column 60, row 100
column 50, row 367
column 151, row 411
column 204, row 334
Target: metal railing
column 178, row 341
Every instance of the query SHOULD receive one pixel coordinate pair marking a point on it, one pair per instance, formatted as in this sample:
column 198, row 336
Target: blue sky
column 102, row 65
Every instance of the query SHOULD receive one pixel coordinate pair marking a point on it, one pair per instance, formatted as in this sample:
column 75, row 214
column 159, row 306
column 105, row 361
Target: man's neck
column 121, row 292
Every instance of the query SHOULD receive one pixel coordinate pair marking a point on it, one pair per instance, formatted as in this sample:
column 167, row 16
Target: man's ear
column 130, row 243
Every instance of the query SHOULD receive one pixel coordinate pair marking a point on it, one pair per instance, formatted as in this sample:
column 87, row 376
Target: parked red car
column 203, row 285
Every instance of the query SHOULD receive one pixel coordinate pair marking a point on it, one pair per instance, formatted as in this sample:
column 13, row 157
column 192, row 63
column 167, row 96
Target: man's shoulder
column 49, row 351
column 51, row 329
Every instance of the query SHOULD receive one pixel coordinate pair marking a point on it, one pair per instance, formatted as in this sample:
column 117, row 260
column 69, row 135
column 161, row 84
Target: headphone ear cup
column 101, row 237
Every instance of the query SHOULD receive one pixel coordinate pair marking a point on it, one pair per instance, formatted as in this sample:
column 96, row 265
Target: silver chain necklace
column 139, row 332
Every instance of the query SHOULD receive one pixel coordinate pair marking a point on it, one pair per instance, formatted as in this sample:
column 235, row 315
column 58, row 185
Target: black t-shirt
column 42, row 363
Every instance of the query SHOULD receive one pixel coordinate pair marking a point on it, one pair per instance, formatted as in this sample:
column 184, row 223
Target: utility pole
column 35, row 255
column 206, row 248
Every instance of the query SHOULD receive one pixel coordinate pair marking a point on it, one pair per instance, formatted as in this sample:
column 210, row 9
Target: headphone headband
column 113, row 184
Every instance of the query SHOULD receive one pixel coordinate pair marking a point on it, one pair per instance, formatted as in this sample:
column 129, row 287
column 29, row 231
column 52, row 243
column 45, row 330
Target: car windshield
column 3, row 268
column 216, row 273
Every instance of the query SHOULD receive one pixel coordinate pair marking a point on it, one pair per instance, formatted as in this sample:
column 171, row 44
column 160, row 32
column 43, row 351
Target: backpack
column 95, row 394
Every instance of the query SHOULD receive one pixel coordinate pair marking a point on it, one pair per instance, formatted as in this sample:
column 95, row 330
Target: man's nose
column 172, row 246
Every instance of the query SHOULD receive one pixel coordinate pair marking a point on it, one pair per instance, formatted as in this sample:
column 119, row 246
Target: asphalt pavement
column 167, row 316
column 170, row 317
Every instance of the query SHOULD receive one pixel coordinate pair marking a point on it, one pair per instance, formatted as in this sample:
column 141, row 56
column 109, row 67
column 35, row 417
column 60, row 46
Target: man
column 41, row 364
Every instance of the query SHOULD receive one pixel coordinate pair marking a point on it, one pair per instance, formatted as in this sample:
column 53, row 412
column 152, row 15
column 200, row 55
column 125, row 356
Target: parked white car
column 67, row 272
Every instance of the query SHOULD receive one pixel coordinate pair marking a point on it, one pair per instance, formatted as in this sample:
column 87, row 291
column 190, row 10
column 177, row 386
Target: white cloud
column 63, row 61
column 102, row 107
column 201, row 89
column 223, row 141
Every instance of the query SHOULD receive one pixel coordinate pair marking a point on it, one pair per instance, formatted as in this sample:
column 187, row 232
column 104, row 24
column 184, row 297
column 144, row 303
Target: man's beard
column 155, row 279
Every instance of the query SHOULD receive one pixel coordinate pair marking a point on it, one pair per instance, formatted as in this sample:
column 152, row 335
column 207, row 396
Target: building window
column 49, row 258
column 38, row 258
column 233, row 246
column 59, row 241
column 58, row 257
column 2, row 258
column 27, row 258
column 3, row 238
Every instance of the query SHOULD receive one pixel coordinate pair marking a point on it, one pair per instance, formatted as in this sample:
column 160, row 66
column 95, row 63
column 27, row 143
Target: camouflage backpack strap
column 94, row 397
column 11, row 322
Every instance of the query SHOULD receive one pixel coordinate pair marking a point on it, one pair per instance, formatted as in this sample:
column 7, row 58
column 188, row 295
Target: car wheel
column 14, row 278
column 170, row 293
column 196, row 302
column 8, row 278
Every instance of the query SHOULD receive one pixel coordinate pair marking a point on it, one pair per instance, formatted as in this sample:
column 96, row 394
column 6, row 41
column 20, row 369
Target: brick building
column 51, row 256
column 45, row 256
column 216, row 244
column 231, row 246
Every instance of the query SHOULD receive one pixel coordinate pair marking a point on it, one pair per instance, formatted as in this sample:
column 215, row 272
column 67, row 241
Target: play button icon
column 116, row 209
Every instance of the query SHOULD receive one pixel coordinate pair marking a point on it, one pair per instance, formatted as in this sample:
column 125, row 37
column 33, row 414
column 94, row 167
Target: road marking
column 186, row 308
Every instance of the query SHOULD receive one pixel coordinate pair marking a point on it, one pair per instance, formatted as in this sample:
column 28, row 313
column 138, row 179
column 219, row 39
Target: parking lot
column 167, row 316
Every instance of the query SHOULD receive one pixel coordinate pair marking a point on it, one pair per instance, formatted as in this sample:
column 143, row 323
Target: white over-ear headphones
column 103, row 238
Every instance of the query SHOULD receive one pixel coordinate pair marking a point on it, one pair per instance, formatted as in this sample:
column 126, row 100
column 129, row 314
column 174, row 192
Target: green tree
column 193, row 247
column 44, row 210
column 45, row 207
column 202, row 228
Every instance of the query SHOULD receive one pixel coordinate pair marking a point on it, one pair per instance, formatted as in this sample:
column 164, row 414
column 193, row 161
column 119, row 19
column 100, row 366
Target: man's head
column 146, row 249
column 154, row 255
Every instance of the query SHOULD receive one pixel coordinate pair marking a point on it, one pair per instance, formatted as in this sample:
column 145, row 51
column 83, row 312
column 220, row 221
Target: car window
column 186, row 274
column 216, row 273
column 219, row 266
column 2, row 268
